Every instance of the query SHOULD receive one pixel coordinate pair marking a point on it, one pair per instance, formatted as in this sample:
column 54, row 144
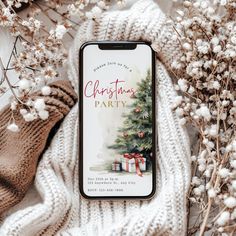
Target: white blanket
column 56, row 208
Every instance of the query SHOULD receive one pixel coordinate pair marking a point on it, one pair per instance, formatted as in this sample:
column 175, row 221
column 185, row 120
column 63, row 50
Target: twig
column 204, row 223
column 216, row 217
column 8, row 63
column 58, row 13
column 8, row 82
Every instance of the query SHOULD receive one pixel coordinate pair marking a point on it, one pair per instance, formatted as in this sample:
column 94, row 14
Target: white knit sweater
column 61, row 210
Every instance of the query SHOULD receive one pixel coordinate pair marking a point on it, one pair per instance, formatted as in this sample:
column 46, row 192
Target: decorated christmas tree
column 136, row 134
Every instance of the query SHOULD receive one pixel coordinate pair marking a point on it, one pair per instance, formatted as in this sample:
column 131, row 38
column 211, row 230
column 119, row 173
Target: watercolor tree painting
column 134, row 139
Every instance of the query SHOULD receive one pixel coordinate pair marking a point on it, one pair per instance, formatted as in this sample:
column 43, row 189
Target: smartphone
column 117, row 132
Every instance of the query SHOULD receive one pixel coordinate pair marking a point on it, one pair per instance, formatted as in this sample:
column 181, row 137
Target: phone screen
column 117, row 149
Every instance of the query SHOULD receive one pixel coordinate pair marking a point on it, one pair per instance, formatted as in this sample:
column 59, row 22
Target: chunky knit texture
column 62, row 211
column 20, row 151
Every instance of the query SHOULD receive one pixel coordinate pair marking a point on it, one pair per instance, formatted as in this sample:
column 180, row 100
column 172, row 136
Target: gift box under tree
column 116, row 166
column 133, row 162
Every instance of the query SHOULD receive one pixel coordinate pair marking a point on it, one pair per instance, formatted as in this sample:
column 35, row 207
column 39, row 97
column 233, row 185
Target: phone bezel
column 81, row 128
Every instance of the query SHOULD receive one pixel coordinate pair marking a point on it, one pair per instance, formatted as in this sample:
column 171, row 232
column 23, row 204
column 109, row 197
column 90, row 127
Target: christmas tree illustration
column 135, row 136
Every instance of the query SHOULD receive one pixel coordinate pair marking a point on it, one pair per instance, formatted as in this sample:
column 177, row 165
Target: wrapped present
column 116, row 166
column 133, row 162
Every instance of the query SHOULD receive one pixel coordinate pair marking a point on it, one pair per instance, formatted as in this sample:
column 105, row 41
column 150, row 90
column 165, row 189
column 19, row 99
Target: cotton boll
column 204, row 4
column 207, row 173
column 187, row 107
column 23, row 112
column 60, row 31
column 202, row 188
column 121, row 3
column 43, row 114
column 201, row 161
column 233, row 39
column 224, row 173
column 217, row 49
column 187, row 46
column 208, row 186
column 179, row 19
column 233, row 215
column 197, row 191
column 234, row 145
column 234, row 184
column 223, row 2
column 74, row 10
column 215, row 41
column 183, row 59
column 196, row 181
column 213, row 130
column 204, row 112
column 13, row 127
column 198, row 42
column 192, row 199
column 24, row 84
column 28, row 117
column 39, row 104
column 195, row 117
column 225, row 103
column 179, row 112
column 214, row 63
column 207, row 64
column 187, row 4
column 17, row 5
column 96, row 11
column 177, row 101
column 228, row 148
column 233, row 155
column 183, row 121
column 205, row 141
column 39, row 81
column 46, row 90
column 230, row 202
column 183, row 85
column 202, row 168
column 223, row 219
column 210, row 10
column 216, row 85
column 37, row 24
column 223, row 116
column 203, row 47
column 102, row 4
column 211, row 193
column 29, row 103
column 177, row 88
column 196, row 4
column 191, row 89
column 232, row 111
column 232, row 53
column 13, row 105
column 176, row 65
column 233, row 164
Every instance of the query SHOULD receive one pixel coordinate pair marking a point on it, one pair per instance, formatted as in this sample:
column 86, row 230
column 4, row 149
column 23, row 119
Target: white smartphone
column 117, row 138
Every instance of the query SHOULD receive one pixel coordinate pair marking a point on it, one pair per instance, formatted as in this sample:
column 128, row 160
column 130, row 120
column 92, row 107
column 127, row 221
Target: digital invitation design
column 117, row 122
